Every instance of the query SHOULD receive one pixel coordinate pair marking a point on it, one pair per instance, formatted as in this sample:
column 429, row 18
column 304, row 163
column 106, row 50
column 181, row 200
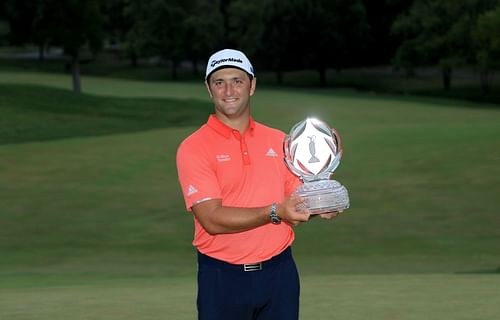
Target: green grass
column 324, row 297
column 93, row 225
column 33, row 113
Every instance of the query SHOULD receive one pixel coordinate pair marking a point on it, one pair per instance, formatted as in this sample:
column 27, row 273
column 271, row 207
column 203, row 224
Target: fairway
column 93, row 225
column 357, row 297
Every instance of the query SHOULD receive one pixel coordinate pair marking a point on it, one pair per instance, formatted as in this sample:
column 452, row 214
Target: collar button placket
column 243, row 147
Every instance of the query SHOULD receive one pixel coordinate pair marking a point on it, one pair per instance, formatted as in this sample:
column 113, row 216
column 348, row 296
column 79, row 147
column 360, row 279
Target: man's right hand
column 289, row 213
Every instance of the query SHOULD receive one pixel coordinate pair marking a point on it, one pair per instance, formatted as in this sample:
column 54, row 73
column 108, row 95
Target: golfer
column 236, row 184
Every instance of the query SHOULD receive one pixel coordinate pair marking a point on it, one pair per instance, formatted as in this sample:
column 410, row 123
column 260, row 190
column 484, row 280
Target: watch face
column 275, row 220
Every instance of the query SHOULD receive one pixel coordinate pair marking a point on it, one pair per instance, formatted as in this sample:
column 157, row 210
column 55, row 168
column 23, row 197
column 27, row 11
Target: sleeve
column 197, row 175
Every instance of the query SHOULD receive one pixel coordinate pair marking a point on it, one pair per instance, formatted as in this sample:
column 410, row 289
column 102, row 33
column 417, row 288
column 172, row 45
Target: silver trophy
column 312, row 152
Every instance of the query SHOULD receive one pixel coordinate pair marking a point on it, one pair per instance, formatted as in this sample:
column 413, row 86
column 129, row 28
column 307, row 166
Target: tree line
column 280, row 36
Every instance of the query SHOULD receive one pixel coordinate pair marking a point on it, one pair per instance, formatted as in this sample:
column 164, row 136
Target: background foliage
column 279, row 35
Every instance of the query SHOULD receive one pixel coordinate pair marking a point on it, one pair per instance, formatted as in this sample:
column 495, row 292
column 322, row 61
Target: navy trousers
column 265, row 291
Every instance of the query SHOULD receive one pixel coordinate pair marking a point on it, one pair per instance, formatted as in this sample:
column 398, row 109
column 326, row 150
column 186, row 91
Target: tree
column 117, row 22
column 486, row 37
column 174, row 30
column 280, row 49
column 245, row 25
column 79, row 24
column 137, row 35
column 20, row 16
column 166, row 24
column 438, row 32
column 44, row 25
column 29, row 23
column 379, row 41
column 203, row 31
column 72, row 24
column 318, row 34
column 334, row 32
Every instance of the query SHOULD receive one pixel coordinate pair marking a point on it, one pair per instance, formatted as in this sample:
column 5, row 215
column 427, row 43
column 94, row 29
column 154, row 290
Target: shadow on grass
column 36, row 113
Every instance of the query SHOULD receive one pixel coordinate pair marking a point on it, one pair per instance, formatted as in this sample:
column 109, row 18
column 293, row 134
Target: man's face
column 230, row 90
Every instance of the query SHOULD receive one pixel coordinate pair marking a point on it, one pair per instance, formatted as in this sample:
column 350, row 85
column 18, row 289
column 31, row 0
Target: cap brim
column 225, row 67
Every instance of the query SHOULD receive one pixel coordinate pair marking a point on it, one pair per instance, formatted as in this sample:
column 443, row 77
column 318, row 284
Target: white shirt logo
column 271, row 153
column 191, row 190
column 223, row 157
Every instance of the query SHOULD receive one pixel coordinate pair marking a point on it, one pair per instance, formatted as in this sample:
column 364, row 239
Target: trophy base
column 323, row 196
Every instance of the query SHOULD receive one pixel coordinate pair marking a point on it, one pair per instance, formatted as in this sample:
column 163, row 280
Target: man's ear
column 253, row 85
column 208, row 89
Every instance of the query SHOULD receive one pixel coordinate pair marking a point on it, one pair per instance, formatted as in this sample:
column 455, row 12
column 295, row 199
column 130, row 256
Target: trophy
column 312, row 152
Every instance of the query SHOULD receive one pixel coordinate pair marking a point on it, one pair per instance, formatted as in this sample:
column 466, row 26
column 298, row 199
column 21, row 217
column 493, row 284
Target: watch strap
column 275, row 219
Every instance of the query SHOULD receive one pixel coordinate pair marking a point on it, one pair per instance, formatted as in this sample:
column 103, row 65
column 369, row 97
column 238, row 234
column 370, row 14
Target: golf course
column 93, row 224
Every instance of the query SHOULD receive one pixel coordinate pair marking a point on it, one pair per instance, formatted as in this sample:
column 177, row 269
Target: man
column 235, row 182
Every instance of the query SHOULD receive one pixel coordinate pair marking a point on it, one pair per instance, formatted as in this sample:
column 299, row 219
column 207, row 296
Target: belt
column 203, row 259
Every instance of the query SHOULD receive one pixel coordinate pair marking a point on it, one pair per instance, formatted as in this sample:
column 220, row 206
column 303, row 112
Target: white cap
column 228, row 58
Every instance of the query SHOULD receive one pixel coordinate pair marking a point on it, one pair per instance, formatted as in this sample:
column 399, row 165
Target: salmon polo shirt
column 243, row 170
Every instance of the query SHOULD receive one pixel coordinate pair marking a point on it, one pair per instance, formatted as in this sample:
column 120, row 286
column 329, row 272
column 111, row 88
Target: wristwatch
column 273, row 215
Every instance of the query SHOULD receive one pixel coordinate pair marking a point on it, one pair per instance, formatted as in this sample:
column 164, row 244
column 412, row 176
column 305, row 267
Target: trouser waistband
column 283, row 256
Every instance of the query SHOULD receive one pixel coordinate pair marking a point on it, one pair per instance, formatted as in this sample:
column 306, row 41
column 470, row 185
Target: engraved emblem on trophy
column 313, row 151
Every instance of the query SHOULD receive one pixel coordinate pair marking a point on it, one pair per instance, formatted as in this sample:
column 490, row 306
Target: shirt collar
column 225, row 130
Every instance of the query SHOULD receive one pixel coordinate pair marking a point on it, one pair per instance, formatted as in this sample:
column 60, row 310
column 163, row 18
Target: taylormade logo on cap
column 228, row 58
column 216, row 62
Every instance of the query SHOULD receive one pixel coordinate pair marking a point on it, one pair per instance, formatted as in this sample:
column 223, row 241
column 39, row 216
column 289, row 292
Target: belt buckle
column 252, row 267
